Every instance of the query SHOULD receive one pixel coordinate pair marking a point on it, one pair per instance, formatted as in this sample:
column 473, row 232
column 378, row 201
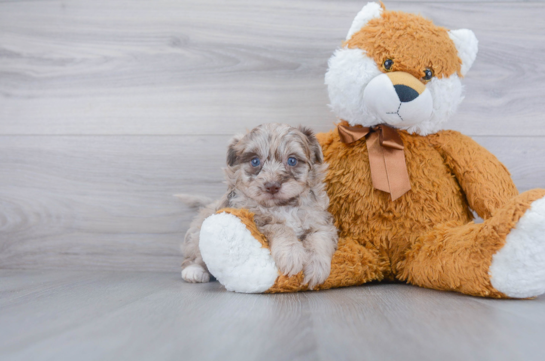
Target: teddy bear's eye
column 428, row 74
column 388, row 64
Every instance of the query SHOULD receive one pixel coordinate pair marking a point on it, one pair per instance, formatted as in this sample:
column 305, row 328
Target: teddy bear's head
column 399, row 69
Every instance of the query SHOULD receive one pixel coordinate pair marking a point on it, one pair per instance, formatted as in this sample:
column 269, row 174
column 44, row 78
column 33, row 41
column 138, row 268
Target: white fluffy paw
column 195, row 274
column 518, row 269
column 317, row 270
column 289, row 256
column 235, row 258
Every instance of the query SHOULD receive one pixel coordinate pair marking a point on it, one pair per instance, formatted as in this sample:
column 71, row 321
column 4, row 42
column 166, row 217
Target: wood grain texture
column 107, row 108
column 154, row 316
column 103, row 202
column 212, row 67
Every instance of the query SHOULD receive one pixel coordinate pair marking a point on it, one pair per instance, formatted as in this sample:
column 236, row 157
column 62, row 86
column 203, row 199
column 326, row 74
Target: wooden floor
column 83, row 315
column 108, row 107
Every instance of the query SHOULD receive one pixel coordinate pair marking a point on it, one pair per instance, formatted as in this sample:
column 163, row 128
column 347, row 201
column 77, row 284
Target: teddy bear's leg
column 504, row 257
column 238, row 255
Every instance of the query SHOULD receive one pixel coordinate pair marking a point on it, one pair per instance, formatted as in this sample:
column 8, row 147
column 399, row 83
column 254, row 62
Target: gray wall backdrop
column 107, row 108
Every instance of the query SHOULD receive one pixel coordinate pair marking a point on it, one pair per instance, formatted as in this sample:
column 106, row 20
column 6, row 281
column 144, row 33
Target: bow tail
column 379, row 172
column 389, row 170
column 398, row 176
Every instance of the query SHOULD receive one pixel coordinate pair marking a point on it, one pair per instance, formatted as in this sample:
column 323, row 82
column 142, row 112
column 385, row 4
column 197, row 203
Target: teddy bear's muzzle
column 398, row 99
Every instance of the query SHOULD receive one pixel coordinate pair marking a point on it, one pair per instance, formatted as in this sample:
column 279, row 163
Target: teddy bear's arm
column 484, row 179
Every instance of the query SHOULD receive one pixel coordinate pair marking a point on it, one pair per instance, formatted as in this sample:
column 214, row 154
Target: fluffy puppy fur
column 276, row 172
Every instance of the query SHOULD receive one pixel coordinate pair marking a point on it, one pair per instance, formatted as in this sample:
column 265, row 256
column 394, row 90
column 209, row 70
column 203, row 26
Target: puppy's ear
column 315, row 147
column 232, row 153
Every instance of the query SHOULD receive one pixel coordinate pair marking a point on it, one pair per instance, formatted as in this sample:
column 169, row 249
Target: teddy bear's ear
column 369, row 11
column 467, row 45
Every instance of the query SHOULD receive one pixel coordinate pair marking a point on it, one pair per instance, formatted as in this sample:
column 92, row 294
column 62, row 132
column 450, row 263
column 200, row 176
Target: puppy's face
column 274, row 163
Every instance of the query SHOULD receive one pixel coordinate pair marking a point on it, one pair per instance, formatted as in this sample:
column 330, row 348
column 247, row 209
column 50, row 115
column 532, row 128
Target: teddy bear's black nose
column 405, row 93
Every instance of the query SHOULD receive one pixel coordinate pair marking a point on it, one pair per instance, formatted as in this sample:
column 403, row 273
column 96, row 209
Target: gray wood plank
column 143, row 316
column 212, row 67
column 101, row 201
column 105, row 202
column 397, row 322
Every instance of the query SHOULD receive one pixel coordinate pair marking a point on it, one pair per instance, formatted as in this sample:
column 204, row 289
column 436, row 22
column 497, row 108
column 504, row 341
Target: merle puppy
column 275, row 171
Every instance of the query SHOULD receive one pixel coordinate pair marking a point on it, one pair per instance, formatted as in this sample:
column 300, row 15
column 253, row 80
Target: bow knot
column 386, row 156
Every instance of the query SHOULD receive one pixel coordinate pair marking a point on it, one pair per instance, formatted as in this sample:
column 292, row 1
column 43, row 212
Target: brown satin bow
column 386, row 156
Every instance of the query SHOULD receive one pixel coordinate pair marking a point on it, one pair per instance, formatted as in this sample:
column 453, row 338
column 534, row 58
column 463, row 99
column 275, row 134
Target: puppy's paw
column 290, row 257
column 195, row 274
column 316, row 270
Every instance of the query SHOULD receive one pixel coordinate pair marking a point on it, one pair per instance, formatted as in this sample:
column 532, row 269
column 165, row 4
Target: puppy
column 275, row 171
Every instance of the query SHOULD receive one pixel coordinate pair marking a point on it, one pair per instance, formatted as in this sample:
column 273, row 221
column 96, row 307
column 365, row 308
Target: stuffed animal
column 401, row 189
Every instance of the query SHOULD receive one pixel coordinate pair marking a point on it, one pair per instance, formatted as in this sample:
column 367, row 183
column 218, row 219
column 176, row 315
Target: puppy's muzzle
column 273, row 187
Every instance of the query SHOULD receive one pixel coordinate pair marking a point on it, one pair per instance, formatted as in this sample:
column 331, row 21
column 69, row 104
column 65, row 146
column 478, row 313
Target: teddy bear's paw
column 195, row 274
column 518, row 269
column 235, row 258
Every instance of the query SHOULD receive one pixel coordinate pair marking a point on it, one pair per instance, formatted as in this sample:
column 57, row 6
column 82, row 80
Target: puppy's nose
column 272, row 187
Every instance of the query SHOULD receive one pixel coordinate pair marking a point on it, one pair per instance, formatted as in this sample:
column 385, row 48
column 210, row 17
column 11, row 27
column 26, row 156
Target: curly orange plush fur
column 427, row 238
column 412, row 42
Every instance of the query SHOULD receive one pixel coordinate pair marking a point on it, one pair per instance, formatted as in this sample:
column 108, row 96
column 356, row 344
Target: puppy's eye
column 388, row 64
column 255, row 162
column 292, row 162
column 428, row 74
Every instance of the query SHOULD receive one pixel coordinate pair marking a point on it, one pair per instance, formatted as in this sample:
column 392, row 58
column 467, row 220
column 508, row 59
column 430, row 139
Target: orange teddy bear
column 401, row 189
